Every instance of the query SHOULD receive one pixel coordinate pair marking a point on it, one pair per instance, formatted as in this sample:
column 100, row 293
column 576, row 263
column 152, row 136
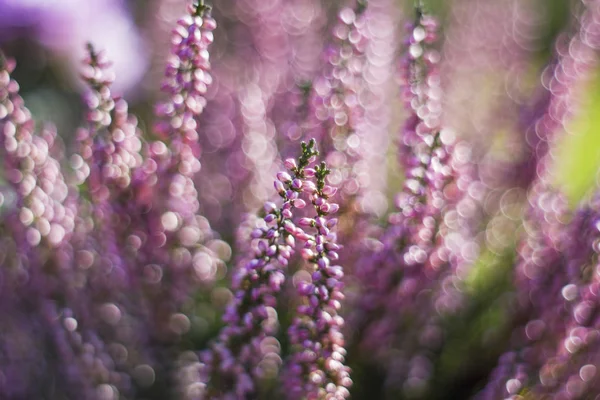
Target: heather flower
column 574, row 334
column 316, row 367
column 491, row 44
column 424, row 147
column 540, row 274
column 113, row 275
column 541, row 271
column 336, row 110
column 574, row 60
column 420, row 88
column 108, row 153
column 402, row 261
column 113, row 140
column 171, row 237
column 38, row 221
column 236, row 357
column 108, row 156
column 86, row 364
column 336, row 116
column 41, row 220
column 186, row 77
column 401, row 271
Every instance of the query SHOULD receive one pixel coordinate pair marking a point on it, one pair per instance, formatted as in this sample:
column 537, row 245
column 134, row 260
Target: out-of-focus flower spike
column 339, row 117
column 187, row 77
column 402, row 267
column 33, row 173
column 420, row 88
column 38, row 221
column 494, row 46
column 540, row 284
column 88, row 366
column 109, row 150
column 427, row 151
column 263, row 81
column 336, row 95
column 425, row 148
column 172, row 234
column 573, row 335
column 574, row 62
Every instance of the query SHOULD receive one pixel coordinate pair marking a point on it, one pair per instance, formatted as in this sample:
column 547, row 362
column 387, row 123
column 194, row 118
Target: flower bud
column 309, row 172
column 290, row 164
column 279, row 188
column 283, row 176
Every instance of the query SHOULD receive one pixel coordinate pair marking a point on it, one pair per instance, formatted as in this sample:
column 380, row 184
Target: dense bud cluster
column 317, row 363
column 238, row 356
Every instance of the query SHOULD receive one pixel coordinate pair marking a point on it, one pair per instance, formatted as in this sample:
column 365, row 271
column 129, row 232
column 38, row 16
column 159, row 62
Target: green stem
column 202, row 9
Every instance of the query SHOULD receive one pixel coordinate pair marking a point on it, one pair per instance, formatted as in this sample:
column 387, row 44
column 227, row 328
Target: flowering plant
column 191, row 252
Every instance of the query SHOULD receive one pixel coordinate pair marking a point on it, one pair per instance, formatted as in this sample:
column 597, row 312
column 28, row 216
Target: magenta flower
column 316, row 368
column 236, row 357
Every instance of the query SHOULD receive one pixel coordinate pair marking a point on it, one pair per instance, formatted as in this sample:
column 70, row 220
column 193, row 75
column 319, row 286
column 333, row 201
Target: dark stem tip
column 202, row 9
column 419, row 9
column 92, row 52
column 361, row 6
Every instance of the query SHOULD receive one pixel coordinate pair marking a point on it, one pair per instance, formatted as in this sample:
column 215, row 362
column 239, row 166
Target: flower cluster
column 410, row 254
column 238, row 355
column 154, row 256
column 174, row 251
column 317, row 366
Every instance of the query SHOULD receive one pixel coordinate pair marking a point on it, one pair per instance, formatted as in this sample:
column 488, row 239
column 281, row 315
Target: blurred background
column 47, row 38
column 493, row 54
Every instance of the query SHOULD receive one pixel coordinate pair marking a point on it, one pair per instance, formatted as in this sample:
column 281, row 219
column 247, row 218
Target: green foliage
column 578, row 152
